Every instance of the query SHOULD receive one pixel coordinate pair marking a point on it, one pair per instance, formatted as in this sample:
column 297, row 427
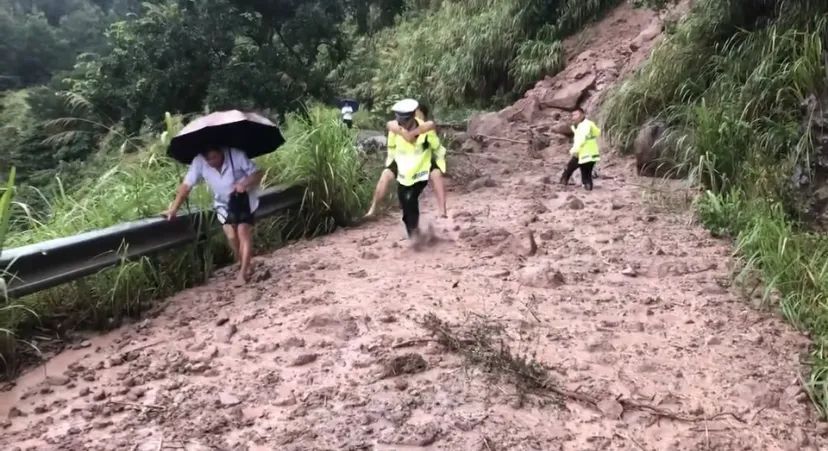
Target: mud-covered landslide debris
column 411, row 363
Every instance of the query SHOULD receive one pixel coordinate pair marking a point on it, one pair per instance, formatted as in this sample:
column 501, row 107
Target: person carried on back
column 585, row 152
column 438, row 168
column 412, row 163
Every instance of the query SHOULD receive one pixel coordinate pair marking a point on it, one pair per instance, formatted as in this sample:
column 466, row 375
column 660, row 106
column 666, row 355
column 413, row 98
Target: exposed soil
column 616, row 293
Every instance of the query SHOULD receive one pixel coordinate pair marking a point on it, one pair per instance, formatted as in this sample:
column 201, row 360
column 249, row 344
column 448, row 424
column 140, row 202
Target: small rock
column 400, row 384
column 387, row 318
column 575, row 204
column 616, row 205
column 411, row 363
column 294, row 342
column 85, row 344
column 713, row 341
column 482, row 182
column 41, row 409
column 99, row 396
column 57, row 381
column 225, row 334
column 84, row 391
column 14, row 412
column 629, row 272
column 222, row 321
column 227, row 400
column 287, row 401
column 547, row 235
column 500, row 273
column 369, row 256
column 799, row 437
column 74, row 430
column 611, row 408
column 103, row 424
column 304, row 359
column 543, row 276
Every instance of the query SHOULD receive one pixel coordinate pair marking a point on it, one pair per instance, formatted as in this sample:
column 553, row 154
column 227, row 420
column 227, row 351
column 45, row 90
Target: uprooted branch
column 482, row 345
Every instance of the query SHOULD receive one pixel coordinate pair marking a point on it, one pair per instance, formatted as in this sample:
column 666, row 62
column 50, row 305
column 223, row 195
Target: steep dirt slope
column 623, row 300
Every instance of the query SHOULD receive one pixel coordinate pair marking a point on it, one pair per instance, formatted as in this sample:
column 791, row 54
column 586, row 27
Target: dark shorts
column 348, row 122
column 238, row 211
column 393, row 167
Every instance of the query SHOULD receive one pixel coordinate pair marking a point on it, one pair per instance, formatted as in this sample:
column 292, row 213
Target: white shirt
column 236, row 166
column 347, row 112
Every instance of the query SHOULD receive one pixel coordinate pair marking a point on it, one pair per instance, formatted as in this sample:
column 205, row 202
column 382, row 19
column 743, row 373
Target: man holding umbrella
column 211, row 145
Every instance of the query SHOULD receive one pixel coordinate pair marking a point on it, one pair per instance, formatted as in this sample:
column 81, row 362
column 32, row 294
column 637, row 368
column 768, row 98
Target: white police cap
column 405, row 106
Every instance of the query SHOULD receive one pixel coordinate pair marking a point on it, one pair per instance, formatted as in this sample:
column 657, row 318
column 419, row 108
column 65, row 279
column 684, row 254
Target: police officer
column 411, row 162
column 585, row 152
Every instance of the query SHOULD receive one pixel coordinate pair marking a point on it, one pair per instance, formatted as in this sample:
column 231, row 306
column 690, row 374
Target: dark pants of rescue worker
column 586, row 172
column 409, row 197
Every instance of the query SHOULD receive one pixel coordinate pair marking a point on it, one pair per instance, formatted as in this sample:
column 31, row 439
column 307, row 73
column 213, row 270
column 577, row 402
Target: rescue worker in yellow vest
column 412, row 162
column 439, row 155
column 584, row 150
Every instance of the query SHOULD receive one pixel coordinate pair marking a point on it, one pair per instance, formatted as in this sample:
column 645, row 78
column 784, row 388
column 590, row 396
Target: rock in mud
column 293, row 342
column 488, row 124
column 611, row 408
column 304, row 359
column 413, row 435
column 227, row 400
column 411, row 363
column 58, row 380
column 225, row 333
column 471, row 146
column 526, row 110
column 523, row 244
column 543, row 276
column 575, row 204
column 629, row 271
column 651, row 159
column 568, row 97
column 482, row 182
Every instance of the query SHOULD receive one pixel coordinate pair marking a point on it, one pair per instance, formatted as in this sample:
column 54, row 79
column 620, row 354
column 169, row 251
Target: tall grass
column 468, row 53
column 319, row 155
column 730, row 84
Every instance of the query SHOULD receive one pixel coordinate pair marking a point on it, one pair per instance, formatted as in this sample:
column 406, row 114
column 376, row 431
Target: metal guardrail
column 36, row 267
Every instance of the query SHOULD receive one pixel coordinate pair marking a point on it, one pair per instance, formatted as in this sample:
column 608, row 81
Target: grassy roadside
column 729, row 83
column 320, row 155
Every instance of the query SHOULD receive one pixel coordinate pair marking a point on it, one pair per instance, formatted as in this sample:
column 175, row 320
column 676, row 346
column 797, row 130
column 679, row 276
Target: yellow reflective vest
column 414, row 159
column 585, row 144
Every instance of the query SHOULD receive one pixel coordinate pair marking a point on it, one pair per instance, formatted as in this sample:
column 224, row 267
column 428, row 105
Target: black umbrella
column 350, row 102
column 251, row 133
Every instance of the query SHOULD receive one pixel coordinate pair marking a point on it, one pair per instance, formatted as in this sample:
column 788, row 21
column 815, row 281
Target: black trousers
column 409, row 197
column 586, row 172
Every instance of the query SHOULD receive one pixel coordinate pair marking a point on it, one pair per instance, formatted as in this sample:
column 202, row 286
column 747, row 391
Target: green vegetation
column 431, row 55
column 730, row 84
column 321, row 155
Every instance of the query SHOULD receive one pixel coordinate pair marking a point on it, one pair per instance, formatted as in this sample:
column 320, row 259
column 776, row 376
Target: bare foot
column 240, row 281
column 371, row 212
